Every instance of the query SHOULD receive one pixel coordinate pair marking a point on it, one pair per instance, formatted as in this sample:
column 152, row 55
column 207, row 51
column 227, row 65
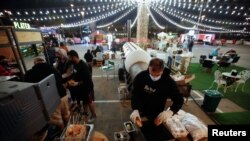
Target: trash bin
column 211, row 100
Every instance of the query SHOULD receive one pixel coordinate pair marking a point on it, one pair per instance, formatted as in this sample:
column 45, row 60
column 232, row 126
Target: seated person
column 225, row 61
column 215, row 52
column 4, row 67
column 60, row 117
column 4, row 71
column 231, row 53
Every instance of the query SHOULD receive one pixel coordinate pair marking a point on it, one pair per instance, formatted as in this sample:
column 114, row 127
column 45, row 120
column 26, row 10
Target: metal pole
column 81, row 31
column 199, row 18
column 82, row 14
column 18, row 50
column 15, row 53
column 129, row 29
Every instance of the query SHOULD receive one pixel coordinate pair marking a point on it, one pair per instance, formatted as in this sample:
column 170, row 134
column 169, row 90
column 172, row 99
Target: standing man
column 34, row 49
column 63, row 66
column 89, row 59
column 215, row 52
column 190, row 45
column 94, row 40
column 81, row 86
column 113, row 46
column 61, row 115
column 62, row 46
column 170, row 55
column 151, row 89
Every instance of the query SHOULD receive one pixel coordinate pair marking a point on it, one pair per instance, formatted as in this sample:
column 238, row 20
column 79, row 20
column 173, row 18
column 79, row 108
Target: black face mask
column 71, row 62
column 59, row 58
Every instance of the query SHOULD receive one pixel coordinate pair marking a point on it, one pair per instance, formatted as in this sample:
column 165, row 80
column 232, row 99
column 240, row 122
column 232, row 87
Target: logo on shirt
column 149, row 90
column 75, row 71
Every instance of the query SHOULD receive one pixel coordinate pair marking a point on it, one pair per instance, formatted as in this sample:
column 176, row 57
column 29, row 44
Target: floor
column 113, row 112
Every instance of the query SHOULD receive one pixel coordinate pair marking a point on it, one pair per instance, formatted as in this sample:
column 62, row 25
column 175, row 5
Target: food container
column 129, row 126
column 121, row 136
column 84, row 137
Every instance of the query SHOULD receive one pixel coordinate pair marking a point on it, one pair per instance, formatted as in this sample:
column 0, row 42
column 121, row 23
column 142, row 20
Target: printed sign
column 28, row 36
column 19, row 25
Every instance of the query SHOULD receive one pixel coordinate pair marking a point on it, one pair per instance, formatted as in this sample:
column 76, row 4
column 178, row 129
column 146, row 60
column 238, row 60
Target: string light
column 75, row 8
column 196, row 28
column 110, row 23
column 194, row 16
column 91, row 20
column 75, row 13
column 133, row 23
column 161, row 27
column 175, row 8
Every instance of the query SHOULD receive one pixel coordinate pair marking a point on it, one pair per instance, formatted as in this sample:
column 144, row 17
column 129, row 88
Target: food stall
column 165, row 39
column 97, row 37
column 18, row 42
column 204, row 38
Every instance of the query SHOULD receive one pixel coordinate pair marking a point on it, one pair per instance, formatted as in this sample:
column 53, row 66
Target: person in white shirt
column 170, row 54
column 99, row 56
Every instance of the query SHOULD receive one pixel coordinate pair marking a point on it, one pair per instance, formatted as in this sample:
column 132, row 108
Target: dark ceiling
column 229, row 14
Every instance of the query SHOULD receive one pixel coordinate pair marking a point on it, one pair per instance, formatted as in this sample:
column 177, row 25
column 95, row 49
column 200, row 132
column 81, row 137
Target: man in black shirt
column 81, row 86
column 89, row 59
column 151, row 89
column 190, row 44
column 60, row 116
column 63, row 65
column 41, row 70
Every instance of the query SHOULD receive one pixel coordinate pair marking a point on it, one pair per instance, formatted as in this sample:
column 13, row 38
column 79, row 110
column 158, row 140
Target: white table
column 228, row 74
column 213, row 60
column 230, row 79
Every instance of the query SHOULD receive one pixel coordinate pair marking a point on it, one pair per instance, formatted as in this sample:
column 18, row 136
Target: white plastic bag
column 176, row 128
column 194, row 126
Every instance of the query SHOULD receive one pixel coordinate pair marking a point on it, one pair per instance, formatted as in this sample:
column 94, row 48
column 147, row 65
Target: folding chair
column 235, row 60
column 245, row 75
column 110, row 66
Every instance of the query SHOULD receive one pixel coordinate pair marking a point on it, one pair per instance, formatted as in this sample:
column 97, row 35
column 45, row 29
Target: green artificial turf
column 204, row 80
column 235, row 118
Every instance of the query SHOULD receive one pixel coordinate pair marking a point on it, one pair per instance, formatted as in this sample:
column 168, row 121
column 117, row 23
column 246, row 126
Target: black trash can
column 211, row 100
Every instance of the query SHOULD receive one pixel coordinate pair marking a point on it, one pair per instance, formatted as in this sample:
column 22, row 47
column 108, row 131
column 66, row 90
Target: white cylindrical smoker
column 136, row 60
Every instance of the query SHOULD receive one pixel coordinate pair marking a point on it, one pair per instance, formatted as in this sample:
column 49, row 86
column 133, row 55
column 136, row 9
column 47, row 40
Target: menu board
column 28, row 36
column 4, row 38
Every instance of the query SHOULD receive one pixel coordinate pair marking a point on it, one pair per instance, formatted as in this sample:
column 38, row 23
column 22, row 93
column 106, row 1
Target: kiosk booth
column 18, row 42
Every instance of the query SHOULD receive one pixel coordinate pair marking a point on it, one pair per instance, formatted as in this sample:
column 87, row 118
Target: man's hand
column 73, row 83
column 135, row 117
column 163, row 116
